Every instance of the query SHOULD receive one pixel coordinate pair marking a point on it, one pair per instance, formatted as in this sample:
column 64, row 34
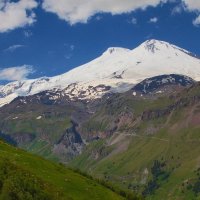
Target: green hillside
column 25, row 176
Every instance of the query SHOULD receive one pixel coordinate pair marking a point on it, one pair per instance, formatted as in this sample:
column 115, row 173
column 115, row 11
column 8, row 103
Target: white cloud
column 68, row 56
column 16, row 14
column 133, row 20
column 80, row 11
column 192, row 4
column 75, row 11
column 178, row 9
column 196, row 22
column 98, row 18
column 69, row 47
column 72, row 47
column 16, row 73
column 27, row 33
column 153, row 20
column 13, row 47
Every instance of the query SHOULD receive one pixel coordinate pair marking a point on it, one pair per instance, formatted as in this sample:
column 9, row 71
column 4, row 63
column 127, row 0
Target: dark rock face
column 22, row 138
column 158, row 82
column 71, row 136
column 153, row 114
column 70, row 144
column 8, row 139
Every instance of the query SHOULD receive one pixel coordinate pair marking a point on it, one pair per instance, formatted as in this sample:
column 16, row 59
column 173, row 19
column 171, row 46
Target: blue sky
column 50, row 37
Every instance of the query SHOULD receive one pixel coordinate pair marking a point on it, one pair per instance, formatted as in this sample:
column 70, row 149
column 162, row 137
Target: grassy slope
column 180, row 154
column 70, row 184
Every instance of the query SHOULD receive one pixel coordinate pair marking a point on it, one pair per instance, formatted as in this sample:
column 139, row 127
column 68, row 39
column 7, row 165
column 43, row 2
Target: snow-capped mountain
column 117, row 68
column 157, row 84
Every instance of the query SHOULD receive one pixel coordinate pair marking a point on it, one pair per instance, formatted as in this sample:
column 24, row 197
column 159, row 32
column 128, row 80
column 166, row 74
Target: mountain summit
column 118, row 68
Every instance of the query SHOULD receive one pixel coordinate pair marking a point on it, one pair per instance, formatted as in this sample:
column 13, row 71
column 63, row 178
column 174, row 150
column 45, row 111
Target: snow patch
column 159, row 92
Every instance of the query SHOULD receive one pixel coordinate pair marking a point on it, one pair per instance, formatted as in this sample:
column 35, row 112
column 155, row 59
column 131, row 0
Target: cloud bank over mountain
column 16, row 73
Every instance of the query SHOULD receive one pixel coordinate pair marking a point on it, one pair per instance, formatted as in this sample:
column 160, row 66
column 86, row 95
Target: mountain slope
column 24, row 176
column 117, row 67
column 146, row 142
column 157, row 83
column 154, row 146
column 53, row 126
